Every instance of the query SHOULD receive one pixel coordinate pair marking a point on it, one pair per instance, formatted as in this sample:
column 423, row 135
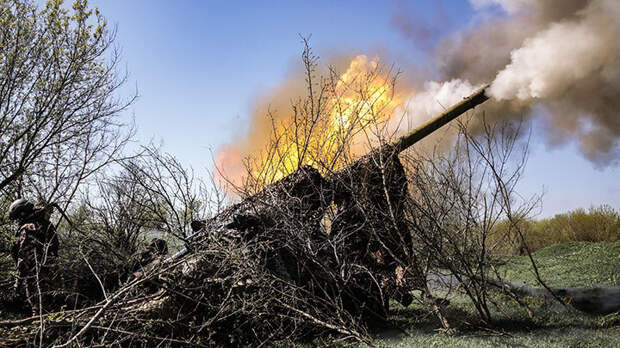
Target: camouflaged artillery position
column 356, row 267
column 268, row 269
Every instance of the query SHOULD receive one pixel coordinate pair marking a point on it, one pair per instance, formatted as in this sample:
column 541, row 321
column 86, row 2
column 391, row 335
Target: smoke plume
column 558, row 54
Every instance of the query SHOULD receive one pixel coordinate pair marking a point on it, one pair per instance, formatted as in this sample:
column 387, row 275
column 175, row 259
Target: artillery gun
column 265, row 269
column 310, row 286
column 297, row 186
column 282, row 227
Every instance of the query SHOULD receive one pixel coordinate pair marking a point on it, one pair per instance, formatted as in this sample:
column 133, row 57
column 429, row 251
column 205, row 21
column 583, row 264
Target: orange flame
column 324, row 132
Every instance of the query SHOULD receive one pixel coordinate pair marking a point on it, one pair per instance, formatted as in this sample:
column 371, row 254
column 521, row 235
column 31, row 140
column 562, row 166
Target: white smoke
column 559, row 57
column 562, row 56
column 432, row 100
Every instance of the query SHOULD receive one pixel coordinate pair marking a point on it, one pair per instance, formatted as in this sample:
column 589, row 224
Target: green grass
column 575, row 264
column 511, row 328
column 548, row 337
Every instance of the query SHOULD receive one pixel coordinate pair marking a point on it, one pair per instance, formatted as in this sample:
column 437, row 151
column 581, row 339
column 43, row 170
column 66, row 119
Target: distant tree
column 152, row 192
column 59, row 110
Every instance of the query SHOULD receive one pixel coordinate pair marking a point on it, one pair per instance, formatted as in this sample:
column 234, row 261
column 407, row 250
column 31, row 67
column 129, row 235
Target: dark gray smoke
column 563, row 55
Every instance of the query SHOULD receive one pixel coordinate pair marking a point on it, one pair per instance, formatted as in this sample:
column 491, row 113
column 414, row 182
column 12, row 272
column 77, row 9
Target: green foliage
column 597, row 224
column 60, row 116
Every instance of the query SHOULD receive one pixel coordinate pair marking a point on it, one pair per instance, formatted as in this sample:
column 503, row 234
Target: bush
column 597, row 224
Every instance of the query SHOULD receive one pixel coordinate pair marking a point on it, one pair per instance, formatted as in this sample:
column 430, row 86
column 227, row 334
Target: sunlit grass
column 574, row 264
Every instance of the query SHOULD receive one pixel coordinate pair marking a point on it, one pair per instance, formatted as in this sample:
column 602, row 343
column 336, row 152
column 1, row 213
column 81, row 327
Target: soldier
column 149, row 256
column 34, row 253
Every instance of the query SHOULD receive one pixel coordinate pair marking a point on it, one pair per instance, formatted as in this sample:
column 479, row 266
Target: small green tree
column 59, row 113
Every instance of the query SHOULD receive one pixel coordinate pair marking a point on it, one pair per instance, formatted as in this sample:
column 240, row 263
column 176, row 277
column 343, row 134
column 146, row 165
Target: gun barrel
column 305, row 178
column 438, row 121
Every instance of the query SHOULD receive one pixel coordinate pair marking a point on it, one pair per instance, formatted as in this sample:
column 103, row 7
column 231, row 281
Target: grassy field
column 575, row 264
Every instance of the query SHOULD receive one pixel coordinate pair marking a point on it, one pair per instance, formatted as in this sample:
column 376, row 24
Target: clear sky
column 199, row 67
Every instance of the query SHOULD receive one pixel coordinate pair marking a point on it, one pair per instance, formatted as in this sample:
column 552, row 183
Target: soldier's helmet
column 20, row 209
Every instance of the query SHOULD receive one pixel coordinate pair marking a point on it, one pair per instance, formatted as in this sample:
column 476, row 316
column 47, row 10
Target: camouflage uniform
column 35, row 254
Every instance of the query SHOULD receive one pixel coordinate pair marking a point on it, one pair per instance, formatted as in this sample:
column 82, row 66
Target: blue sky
column 199, row 67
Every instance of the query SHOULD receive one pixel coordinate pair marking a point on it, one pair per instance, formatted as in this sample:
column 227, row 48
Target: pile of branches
column 310, row 257
column 264, row 270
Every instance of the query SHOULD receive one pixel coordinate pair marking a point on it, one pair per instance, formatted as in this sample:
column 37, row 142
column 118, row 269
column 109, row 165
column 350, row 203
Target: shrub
column 597, row 224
